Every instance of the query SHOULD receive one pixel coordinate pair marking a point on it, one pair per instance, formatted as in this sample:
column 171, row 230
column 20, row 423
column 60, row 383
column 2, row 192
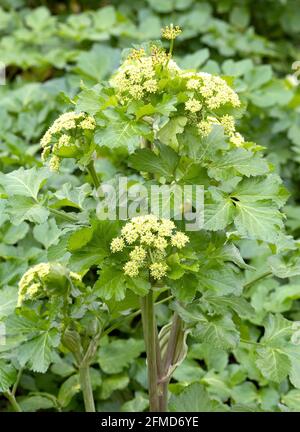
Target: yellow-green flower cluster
column 208, row 93
column 139, row 75
column 136, row 76
column 227, row 121
column 171, row 32
column 61, row 135
column 33, row 282
column 193, row 105
column 148, row 238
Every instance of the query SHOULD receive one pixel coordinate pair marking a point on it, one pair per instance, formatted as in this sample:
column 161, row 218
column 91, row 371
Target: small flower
column 129, row 233
column 170, row 32
column 228, row 124
column 54, row 163
column 131, row 268
column 166, row 227
column 179, row 240
column 148, row 238
column 117, row 245
column 136, row 54
column 237, row 139
column 138, row 254
column 158, row 270
column 192, row 84
column 136, row 91
column 193, row 105
column 204, row 128
column 88, row 123
column 150, row 86
column 160, row 243
column 64, row 140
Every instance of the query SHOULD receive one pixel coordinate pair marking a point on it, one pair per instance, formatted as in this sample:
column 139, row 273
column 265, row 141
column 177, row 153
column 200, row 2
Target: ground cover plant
column 138, row 314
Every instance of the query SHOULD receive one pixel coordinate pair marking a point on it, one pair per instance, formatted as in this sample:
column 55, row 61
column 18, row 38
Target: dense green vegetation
column 235, row 285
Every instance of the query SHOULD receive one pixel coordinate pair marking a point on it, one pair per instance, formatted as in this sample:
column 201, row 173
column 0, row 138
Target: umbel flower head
column 67, row 137
column 148, row 240
column 44, row 279
column 148, row 74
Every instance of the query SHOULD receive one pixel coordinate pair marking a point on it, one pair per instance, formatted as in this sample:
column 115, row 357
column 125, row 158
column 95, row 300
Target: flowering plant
column 160, row 125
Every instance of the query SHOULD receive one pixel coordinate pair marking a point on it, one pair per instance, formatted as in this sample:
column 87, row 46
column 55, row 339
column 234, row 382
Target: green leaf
column 15, row 233
column 38, row 352
column 8, row 375
column 8, row 301
column 273, row 363
column 112, row 383
column 261, row 188
column 68, row 390
column 223, row 281
column 68, row 196
column 36, row 402
column 47, row 233
column 121, row 132
column 138, row 404
column 168, row 133
column 258, row 220
column 240, row 160
column 194, row 60
column 97, row 63
column 218, row 214
column 119, row 354
column 138, row 285
column 80, row 238
column 237, row 304
column 163, row 164
column 195, row 398
column 24, row 182
column 292, row 399
column 85, row 254
column 111, row 284
column 220, row 332
column 23, row 208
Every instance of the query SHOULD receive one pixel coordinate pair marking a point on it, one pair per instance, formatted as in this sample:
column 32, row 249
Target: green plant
column 170, row 127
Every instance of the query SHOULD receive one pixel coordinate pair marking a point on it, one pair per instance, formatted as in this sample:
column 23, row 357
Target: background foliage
column 52, row 48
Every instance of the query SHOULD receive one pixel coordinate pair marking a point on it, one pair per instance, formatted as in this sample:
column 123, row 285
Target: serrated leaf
column 24, row 182
column 238, row 304
column 36, row 402
column 121, row 132
column 8, row 375
column 37, row 353
column 111, row 284
column 168, row 133
column 195, row 398
column 220, row 332
column 218, row 215
column 258, row 220
column 240, row 160
column 23, row 208
column 119, row 354
column 47, row 233
column 273, row 363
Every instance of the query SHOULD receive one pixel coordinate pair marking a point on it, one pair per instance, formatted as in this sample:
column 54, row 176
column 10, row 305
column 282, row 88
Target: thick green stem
column 63, row 215
column 168, row 361
column 93, row 174
column 13, row 402
column 86, row 387
column 149, row 327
